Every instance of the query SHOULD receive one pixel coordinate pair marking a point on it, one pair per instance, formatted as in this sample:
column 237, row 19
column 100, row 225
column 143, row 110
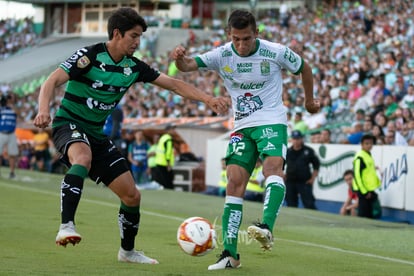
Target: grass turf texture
column 307, row 242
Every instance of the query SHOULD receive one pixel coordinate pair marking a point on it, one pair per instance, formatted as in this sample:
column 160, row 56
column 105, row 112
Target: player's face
column 244, row 40
column 131, row 40
column 367, row 145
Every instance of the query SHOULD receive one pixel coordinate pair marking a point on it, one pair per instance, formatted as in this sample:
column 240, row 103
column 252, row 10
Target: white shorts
column 11, row 141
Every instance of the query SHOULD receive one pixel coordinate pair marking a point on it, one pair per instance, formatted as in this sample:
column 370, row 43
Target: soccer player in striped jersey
column 97, row 77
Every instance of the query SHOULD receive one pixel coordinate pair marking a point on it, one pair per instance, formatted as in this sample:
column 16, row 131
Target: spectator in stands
column 325, row 136
column 355, row 133
column 299, row 123
column 8, row 122
column 378, row 134
column 350, row 205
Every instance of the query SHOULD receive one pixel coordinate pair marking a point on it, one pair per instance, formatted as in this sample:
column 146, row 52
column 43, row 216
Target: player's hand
column 219, row 105
column 312, row 106
column 42, row 120
column 178, row 53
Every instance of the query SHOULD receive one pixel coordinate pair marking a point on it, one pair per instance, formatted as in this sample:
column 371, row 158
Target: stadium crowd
column 362, row 55
column 15, row 35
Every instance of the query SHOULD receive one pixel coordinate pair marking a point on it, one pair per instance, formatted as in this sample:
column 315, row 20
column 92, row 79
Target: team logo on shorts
column 235, row 137
column 76, row 134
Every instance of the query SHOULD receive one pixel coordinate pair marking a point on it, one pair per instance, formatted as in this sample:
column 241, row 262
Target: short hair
column 125, row 19
column 241, row 19
column 348, row 172
column 368, row 136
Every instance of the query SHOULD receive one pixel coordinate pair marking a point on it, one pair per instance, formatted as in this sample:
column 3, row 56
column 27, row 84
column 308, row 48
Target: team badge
column 265, row 68
column 127, row 71
column 83, row 62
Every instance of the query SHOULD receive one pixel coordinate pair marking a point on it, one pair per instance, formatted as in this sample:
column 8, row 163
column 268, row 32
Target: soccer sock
column 128, row 221
column 231, row 220
column 71, row 191
column 275, row 193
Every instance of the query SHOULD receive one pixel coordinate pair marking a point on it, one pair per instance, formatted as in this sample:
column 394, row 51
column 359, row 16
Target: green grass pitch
column 306, row 242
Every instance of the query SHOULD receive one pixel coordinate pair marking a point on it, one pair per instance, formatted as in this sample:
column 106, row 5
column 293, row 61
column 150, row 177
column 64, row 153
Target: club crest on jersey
column 235, row 137
column 127, row 71
column 265, row 68
column 83, row 62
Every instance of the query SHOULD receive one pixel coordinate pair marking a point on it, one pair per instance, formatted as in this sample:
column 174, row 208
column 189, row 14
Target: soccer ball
column 196, row 236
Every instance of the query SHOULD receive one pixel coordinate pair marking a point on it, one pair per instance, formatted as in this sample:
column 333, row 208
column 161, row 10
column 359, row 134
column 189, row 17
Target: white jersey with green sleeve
column 254, row 82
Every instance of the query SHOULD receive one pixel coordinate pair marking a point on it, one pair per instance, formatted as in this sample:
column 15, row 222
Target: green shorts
column 248, row 144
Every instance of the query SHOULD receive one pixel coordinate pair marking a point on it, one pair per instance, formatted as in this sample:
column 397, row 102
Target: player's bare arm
column 183, row 62
column 57, row 78
column 217, row 104
column 312, row 105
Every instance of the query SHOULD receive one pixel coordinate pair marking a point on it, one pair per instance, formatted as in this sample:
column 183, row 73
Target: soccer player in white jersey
column 252, row 72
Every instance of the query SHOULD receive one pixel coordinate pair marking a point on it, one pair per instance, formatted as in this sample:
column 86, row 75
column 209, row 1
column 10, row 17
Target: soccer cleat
column 261, row 233
column 226, row 261
column 12, row 175
column 67, row 234
column 134, row 256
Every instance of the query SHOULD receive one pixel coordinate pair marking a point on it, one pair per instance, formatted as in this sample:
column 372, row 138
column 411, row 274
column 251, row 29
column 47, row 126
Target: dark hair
column 124, row 19
column 368, row 136
column 348, row 172
column 241, row 19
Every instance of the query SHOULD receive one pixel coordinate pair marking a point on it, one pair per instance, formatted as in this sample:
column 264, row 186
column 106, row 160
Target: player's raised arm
column 183, row 62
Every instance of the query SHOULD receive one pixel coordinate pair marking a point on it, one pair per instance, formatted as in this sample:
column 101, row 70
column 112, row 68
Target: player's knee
column 132, row 198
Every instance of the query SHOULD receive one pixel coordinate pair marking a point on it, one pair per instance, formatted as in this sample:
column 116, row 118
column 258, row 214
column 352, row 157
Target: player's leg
column 112, row 169
column 272, row 145
column 240, row 151
column 77, row 155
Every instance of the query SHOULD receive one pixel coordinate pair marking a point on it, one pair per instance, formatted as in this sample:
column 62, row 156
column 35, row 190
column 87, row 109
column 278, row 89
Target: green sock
column 275, row 193
column 231, row 221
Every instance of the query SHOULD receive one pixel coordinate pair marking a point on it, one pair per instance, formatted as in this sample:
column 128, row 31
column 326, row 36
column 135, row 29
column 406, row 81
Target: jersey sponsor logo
column 266, row 53
column 235, row 137
column 92, row 103
column 252, row 85
column 83, row 62
column 265, row 68
column 244, row 67
column 246, row 105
